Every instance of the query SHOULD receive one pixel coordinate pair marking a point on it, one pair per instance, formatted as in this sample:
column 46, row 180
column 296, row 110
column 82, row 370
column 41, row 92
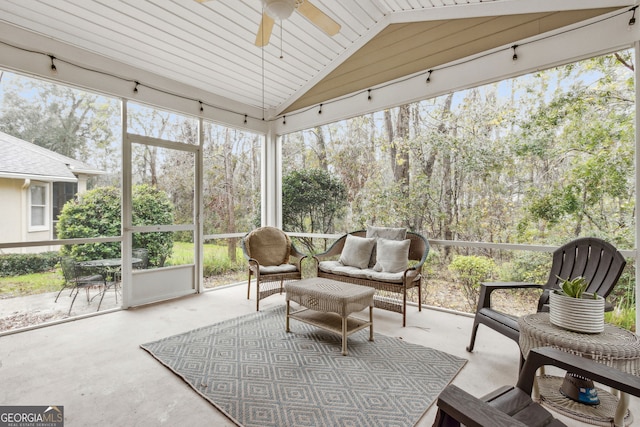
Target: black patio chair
column 592, row 258
column 78, row 278
column 143, row 254
column 513, row 406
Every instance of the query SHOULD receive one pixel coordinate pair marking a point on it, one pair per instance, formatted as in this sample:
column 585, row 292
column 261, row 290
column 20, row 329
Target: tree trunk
column 447, row 178
column 228, row 193
column 321, row 148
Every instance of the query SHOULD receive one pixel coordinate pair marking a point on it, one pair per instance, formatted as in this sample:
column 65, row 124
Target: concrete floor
column 95, row 368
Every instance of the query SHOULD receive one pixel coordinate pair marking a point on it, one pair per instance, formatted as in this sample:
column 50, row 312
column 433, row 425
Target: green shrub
column 97, row 214
column 20, row 264
column 311, row 201
column 532, row 267
column 433, row 263
column 470, row 271
column 152, row 206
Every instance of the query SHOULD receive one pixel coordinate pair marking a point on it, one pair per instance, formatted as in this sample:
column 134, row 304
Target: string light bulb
column 320, row 110
column 135, row 88
column 54, row 70
column 284, row 120
column 245, row 119
column 515, row 55
column 429, row 76
column 201, row 107
column 369, row 96
column 633, row 16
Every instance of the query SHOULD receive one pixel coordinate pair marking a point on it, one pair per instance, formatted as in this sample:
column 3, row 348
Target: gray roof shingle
column 22, row 159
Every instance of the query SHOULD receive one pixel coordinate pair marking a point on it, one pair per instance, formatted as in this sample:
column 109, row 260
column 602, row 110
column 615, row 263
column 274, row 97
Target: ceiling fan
column 282, row 9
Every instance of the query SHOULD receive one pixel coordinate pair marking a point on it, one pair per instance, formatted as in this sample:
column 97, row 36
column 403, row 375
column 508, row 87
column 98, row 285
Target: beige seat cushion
column 268, row 245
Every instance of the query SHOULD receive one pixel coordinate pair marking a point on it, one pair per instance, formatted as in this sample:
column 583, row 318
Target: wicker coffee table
column 614, row 347
column 328, row 305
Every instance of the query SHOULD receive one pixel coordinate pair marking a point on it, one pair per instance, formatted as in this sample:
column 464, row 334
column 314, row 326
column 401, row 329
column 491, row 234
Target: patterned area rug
column 260, row 375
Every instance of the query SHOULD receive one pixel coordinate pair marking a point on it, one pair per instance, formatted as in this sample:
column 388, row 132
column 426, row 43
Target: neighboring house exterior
column 34, row 185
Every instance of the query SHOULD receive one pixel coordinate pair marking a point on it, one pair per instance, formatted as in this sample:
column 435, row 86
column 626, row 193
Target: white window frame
column 46, row 207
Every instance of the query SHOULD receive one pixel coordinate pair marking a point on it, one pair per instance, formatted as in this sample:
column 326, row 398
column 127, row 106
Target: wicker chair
column 513, row 406
column 272, row 259
column 596, row 260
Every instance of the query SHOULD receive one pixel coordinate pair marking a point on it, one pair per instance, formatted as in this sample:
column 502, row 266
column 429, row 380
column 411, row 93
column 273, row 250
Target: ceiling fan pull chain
column 281, row 53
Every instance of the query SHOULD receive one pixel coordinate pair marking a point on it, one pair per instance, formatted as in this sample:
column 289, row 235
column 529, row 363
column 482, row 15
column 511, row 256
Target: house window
column 38, row 207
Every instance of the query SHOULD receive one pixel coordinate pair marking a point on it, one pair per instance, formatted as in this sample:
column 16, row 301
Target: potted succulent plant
column 570, row 307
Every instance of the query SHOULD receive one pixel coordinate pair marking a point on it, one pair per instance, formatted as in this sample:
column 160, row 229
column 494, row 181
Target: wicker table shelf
column 328, row 304
column 614, row 347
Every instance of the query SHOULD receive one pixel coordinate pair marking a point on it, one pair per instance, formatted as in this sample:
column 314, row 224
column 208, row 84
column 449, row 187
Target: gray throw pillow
column 357, row 251
column 387, row 232
column 392, row 255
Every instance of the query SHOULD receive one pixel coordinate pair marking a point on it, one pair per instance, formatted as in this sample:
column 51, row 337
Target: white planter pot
column 577, row 314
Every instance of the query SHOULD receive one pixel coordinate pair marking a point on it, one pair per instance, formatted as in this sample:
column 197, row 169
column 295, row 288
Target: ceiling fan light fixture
column 279, row 9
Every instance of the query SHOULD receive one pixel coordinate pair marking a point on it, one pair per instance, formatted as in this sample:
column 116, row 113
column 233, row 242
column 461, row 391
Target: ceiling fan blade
column 264, row 32
column 319, row 18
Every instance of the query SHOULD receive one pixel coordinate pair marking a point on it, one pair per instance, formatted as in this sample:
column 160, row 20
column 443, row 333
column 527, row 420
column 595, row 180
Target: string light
column 201, row 107
column 54, row 70
column 515, row 55
column 284, row 120
column 633, row 16
column 245, row 119
column 369, row 96
column 135, row 89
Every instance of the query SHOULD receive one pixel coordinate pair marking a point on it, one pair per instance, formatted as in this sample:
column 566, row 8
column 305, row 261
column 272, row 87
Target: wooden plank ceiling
column 404, row 49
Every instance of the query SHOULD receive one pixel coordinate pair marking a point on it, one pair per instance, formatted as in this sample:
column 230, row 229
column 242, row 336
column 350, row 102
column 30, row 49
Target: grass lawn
column 30, row 284
column 216, row 263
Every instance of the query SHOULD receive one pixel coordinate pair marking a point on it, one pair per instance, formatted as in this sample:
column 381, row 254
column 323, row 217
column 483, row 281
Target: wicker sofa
column 392, row 283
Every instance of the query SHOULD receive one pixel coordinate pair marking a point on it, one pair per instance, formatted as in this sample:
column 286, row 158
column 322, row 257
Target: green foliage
column 624, row 292
column 30, row 284
column 526, row 267
column 152, row 206
column 311, row 201
column 97, row 214
column 215, row 259
column 623, row 315
column 470, row 270
column 20, row 264
column 574, row 287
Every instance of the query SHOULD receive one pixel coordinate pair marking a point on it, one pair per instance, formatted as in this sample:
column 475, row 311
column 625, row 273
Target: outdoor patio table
column 614, row 347
column 107, row 264
column 328, row 305
column 109, row 267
